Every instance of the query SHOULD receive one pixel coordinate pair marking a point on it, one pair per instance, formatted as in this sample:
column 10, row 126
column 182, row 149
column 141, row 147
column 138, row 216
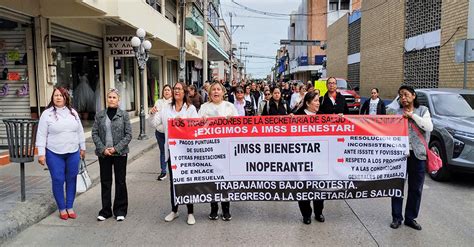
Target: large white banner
column 288, row 158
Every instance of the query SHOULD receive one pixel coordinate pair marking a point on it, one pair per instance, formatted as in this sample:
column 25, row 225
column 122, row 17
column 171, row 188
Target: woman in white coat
column 218, row 107
column 180, row 107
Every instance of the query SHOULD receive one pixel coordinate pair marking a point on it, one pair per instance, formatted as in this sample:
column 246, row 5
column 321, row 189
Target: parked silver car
column 452, row 112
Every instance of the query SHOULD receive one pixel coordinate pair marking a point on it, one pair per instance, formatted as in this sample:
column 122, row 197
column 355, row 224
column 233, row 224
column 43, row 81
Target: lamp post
column 141, row 47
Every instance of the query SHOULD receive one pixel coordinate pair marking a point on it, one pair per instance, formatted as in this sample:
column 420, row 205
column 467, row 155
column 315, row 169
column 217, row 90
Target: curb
column 31, row 212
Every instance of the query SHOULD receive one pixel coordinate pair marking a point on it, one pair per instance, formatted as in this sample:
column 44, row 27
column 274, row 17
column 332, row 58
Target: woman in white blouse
column 180, row 107
column 159, row 132
column 218, row 107
column 61, row 144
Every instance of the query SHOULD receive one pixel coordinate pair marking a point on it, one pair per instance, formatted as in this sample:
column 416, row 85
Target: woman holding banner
column 310, row 106
column 180, row 107
column 418, row 117
column 218, row 107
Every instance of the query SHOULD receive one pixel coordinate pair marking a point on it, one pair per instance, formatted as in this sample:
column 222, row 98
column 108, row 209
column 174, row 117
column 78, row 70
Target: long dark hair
column 410, row 89
column 186, row 96
column 67, row 101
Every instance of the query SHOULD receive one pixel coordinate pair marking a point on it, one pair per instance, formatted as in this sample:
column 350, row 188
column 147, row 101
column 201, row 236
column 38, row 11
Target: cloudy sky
column 262, row 32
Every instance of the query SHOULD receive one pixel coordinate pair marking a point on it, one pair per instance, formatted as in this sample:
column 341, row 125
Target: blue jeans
column 63, row 169
column 160, row 137
column 416, row 178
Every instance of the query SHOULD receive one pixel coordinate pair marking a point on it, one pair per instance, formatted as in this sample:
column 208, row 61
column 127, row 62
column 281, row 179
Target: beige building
column 401, row 42
column 84, row 45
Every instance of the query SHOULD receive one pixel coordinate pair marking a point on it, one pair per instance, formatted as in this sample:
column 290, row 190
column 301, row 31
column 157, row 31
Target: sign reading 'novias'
column 287, row 158
column 119, row 45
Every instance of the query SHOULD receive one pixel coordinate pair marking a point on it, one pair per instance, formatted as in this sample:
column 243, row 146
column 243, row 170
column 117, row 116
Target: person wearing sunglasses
column 244, row 107
column 261, row 105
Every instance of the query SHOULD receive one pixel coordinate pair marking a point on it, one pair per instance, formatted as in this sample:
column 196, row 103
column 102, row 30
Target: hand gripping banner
column 288, row 158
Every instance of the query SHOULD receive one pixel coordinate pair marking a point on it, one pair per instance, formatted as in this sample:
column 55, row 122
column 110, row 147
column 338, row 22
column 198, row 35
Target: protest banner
column 288, row 158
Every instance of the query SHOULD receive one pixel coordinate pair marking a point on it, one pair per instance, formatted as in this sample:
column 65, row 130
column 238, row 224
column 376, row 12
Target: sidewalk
column 16, row 215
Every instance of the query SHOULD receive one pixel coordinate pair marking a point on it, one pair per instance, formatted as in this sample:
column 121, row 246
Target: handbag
column 83, row 182
column 433, row 161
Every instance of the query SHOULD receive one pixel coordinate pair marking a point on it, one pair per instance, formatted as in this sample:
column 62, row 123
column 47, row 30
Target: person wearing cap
column 111, row 133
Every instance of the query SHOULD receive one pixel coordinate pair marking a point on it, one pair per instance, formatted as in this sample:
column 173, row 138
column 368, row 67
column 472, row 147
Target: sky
column 262, row 32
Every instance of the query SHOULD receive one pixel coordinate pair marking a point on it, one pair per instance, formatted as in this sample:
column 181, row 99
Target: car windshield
column 342, row 84
column 453, row 105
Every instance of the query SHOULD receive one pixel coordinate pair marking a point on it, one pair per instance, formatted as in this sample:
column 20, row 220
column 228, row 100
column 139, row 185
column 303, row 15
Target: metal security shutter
column 14, row 16
column 11, row 105
column 74, row 35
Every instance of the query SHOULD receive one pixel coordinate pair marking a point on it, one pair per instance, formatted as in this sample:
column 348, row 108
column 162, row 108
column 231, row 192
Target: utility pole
column 242, row 48
column 204, row 45
column 182, row 49
column 232, row 30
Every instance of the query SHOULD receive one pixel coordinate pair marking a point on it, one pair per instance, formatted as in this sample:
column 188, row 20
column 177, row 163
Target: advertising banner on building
column 119, row 46
column 288, row 158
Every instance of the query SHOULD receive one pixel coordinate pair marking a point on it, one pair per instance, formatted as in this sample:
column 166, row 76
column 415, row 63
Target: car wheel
column 442, row 174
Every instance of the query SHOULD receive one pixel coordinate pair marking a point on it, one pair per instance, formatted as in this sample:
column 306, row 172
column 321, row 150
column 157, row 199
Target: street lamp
column 141, row 47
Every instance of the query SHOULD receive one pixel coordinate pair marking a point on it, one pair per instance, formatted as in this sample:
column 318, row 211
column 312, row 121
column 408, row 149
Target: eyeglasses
column 178, row 89
column 267, row 94
column 240, row 91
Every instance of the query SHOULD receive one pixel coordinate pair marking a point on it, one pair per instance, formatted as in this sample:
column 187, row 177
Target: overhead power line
column 274, row 14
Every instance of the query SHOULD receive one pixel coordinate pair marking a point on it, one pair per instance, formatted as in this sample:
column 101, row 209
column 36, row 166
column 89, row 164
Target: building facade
column 400, row 42
column 84, row 45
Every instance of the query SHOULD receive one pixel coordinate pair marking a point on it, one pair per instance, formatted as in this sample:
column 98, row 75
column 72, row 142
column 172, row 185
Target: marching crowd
column 61, row 141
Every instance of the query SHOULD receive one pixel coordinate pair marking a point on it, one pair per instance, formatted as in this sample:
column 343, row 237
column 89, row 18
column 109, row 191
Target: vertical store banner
column 287, row 158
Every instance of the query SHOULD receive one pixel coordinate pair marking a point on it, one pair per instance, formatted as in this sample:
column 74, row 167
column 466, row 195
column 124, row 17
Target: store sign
column 119, row 45
column 191, row 46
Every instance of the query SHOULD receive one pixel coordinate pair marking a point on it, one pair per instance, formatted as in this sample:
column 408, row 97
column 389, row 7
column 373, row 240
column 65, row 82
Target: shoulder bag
column 83, row 182
column 433, row 161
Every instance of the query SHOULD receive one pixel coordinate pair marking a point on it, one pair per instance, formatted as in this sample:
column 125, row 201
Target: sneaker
column 101, row 218
column 161, row 177
column 171, row 216
column 191, row 219
column 226, row 217
column 213, row 216
column 120, row 218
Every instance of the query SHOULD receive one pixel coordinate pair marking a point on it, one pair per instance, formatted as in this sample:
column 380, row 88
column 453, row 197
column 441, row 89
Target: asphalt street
column 447, row 217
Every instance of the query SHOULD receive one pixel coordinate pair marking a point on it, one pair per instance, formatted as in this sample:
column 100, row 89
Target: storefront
column 17, row 78
column 154, row 81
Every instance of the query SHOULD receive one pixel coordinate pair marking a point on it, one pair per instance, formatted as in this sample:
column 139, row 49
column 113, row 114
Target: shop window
column 154, row 66
column 77, row 68
column 124, row 72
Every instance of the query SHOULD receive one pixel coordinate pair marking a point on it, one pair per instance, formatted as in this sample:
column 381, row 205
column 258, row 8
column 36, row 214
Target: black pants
column 416, row 178
column 225, row 207
column 174, row 206
column 305, row 208
column 119, row 164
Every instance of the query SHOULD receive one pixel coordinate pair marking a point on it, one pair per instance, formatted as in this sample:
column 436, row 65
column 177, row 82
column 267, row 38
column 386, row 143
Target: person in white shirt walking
column 61, row 144
column 374, row 105
column 159, row 132
column 180, row 107
column 218, row 107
